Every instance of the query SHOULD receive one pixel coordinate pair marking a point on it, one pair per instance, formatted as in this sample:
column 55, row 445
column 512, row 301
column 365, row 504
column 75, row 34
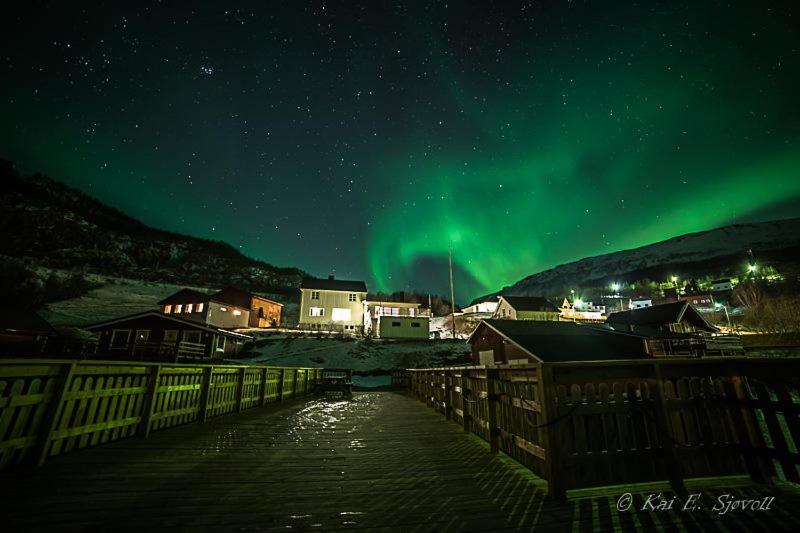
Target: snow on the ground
column 117, row 297
column 358, row 354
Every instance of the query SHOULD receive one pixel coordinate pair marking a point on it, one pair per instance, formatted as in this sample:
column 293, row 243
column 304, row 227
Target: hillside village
column 337, row 322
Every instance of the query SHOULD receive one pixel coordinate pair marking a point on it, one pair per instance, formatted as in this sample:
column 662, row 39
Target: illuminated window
column 316, row 311
column 179, row 308
column 223, row 309
column 236, row 312
column 167, row 309
column 315, row 295
column 341, row 315
column 189, row 308
column 352, row 297
column 199, row 308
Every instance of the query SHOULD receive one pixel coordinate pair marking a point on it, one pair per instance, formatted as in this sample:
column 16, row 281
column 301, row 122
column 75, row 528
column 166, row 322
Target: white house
column 640, row 303
column 332, row 304
column 487, row 306
column 721, row 285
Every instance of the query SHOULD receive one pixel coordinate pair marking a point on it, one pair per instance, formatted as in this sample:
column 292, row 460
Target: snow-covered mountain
column 716, row 252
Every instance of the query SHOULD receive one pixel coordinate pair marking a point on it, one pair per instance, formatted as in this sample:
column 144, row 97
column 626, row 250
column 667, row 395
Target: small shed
column 523, row 341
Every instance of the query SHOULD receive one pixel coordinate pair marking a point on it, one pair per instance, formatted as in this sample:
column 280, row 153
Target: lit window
column 179, row 308
column 316, row 311
column 223, row 309
column 236, row 312
column 315, row 295
column 353, row 297
column 189, row 308
column 199, row 308
column 167, row 309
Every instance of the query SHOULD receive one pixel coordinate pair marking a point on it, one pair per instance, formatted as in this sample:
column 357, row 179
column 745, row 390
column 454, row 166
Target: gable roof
column 551, row 341
column 333, row 285
column 238, row 297
column 669, row 313
column 185, row 296
column 530, row 303
column 168, row 318
column 14, row 320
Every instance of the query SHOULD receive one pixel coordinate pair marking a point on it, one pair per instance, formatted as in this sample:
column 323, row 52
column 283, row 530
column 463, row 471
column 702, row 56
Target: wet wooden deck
column 381, row 462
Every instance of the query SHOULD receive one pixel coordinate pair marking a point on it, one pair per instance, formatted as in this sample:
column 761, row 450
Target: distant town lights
column 674, row 279
column 752, row 268
column 578, row 303
column 615, row 287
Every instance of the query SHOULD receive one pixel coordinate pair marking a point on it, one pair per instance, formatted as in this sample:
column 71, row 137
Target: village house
column 396, row 320
column 721, row 285
column 676, row 328
column 582, row 311
column 701, row 301
column 525, row 341
column 206, row 309
column 640, row 303
column 525, row 308
column 332, row 304
column 154, row 335
column 23, row 332
column 264, row 313
column 488, row 305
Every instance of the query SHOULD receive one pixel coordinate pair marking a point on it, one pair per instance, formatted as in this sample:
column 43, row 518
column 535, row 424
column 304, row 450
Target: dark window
column 415, row 324
column 395, row 324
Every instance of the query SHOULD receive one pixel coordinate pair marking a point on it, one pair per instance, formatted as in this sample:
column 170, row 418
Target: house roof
column 237, row 297
column 15, row 320
column 330, row 284
column 669, row 313
column 185, row 296
column 552, row 341
column 167, row 318
column 529, row 303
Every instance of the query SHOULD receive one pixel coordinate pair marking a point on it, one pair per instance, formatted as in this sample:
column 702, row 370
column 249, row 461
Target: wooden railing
column 615, row 422
column 51, row 407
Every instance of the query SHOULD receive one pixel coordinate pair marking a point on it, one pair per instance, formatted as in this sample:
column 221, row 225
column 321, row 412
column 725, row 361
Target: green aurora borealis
column 366, row 141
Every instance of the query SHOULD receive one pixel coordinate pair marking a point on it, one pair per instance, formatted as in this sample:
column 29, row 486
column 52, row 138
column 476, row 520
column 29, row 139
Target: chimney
column 330, row 277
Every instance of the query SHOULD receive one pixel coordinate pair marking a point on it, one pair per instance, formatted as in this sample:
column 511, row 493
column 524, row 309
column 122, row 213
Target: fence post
column 240, row 390
column 465, row 416
column 282, row 381
column 205, row 393
column 552, row 434
column 491, row 406
column 662, row 417
column 264, row 377
column 448, row 394
column 294, row 383
column 153, row 381
column 54, row 410
column 749, row 434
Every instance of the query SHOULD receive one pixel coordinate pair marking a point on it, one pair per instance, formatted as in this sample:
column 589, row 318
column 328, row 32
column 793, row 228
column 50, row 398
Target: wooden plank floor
column 383, row 462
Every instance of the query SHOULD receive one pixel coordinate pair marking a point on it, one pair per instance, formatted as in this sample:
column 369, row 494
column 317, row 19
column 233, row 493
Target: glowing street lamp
column 752, row 268
column 615, row 287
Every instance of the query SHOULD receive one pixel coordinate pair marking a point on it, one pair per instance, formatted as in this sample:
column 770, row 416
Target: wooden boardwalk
column 383, row 462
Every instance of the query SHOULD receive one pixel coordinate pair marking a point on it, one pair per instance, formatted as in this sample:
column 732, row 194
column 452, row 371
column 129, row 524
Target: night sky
column 365, row 140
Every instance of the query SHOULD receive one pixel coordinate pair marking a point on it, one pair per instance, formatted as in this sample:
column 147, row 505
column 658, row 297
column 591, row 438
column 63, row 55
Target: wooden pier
column 382, row 462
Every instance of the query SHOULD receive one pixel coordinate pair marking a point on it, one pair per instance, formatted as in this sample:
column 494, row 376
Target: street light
column 615, row 287
column 674, row 280
column 752, row 268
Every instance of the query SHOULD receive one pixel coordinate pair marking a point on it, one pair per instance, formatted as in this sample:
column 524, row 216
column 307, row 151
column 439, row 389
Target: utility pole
column 452, row 293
